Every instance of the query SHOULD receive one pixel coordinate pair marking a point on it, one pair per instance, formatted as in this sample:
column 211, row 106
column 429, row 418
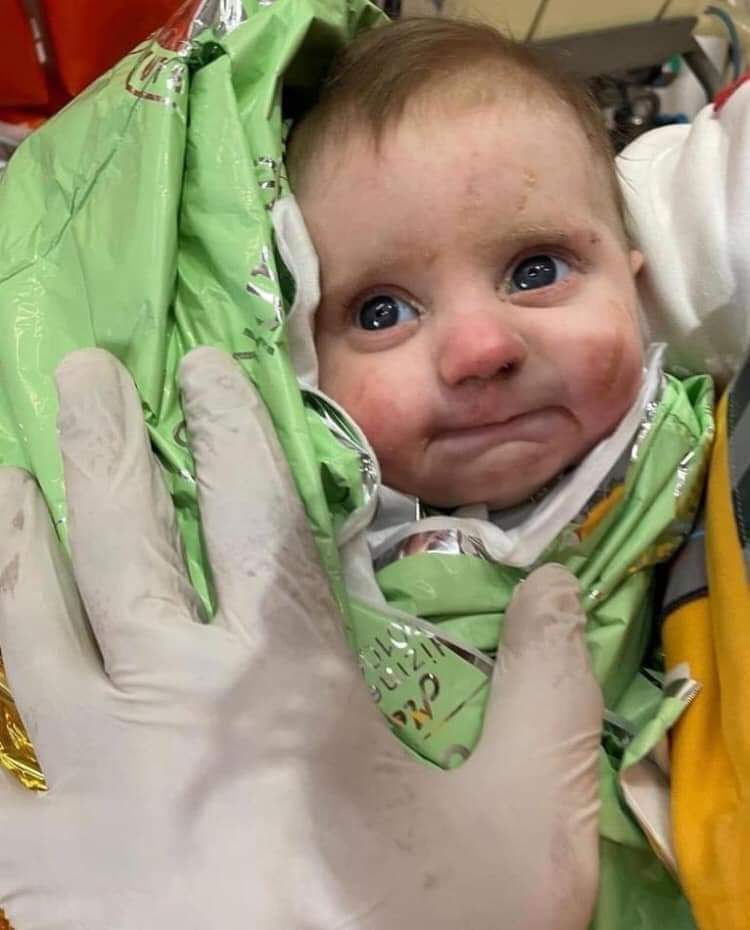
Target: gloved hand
column 236, row 775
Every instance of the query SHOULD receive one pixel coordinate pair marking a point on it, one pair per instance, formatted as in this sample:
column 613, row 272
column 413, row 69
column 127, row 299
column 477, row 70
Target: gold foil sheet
column 16, row 752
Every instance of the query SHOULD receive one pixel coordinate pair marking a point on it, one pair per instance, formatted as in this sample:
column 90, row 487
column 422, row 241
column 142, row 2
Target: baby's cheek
column 380, row 410
column 385, row 424
column 612, row 365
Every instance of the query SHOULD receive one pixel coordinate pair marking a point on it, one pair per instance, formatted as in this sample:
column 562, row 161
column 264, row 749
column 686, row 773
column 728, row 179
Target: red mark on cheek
column 382, row 421
column 614, row 358
column 607, row 368
column 388, row 401
column 390, row 420
column 372, row 406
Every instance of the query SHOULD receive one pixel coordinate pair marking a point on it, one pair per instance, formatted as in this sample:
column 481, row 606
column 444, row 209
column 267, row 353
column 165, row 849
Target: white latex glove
column 687, row 189
column 236, row 775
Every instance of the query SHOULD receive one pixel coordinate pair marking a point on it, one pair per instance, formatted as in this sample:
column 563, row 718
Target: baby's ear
column 636, row 261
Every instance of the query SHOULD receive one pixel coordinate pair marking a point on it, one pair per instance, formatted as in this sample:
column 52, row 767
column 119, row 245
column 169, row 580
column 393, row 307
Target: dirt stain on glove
column 9, row 579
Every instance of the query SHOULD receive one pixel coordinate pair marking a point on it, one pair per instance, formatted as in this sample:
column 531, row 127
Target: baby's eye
column 384, row 311
column 537, row 271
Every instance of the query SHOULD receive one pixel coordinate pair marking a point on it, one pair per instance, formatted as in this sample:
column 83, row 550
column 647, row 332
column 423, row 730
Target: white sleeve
column 687, row 190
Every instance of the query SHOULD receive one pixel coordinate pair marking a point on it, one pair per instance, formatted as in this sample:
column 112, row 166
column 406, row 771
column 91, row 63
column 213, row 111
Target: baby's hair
column 391, row 69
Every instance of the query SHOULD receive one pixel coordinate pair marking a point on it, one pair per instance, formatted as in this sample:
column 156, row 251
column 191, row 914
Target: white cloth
column 687, row 190
column 236, row 775
column 299, row 255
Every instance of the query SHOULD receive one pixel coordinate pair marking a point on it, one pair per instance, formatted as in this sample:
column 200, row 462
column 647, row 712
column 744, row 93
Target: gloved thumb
column 543, row 650
column 540, row 746
column 545, row 706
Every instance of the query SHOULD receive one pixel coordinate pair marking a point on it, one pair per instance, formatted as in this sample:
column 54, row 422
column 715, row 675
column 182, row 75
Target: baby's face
column 478, row 315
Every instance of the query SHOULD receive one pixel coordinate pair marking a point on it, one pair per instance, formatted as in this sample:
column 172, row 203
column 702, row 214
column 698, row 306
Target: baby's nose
column 480, row 345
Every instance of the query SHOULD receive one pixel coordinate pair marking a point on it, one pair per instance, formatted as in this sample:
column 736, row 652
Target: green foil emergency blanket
column 430, row 676
column 139, row 220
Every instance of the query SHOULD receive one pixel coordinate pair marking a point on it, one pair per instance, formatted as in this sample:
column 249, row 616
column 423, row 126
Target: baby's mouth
column 533, row 426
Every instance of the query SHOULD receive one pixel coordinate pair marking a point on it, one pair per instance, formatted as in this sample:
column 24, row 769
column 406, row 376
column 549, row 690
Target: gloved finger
column 543, row 672
column 543, row 720
column 255, row 529
column 48, row 651
column 16, row 805
column 124, row 539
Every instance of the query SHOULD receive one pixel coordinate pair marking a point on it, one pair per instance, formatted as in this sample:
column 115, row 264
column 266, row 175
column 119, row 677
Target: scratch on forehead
column 529, row 182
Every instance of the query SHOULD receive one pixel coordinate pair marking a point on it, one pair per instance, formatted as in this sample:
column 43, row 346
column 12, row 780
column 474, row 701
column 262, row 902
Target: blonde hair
column 387, row 70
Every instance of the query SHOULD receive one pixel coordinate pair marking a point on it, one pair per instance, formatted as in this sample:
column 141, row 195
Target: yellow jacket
column 707, row 626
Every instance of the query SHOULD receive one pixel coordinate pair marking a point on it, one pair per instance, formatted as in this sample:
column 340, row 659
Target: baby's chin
column 497, row 491
column 501, row 476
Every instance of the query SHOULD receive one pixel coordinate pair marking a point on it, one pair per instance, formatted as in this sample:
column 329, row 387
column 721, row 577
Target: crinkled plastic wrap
column 138, row 220
column 431, row 675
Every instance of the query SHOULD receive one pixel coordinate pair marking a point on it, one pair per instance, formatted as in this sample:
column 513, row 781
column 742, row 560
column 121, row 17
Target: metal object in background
column 624, row 48
column 624, row 66
column 735, row 42
column 591, row 38
column 536, row 20
column 728, row 19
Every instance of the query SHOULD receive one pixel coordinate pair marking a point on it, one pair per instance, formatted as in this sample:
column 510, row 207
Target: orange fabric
column 89, row 36
column 22, row 81
column 600, row 510
column 83, row 39
column 711, row 742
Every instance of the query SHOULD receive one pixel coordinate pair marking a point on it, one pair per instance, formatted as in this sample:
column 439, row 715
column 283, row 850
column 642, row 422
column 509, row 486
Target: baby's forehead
column 430, row 121
column 507, row 156
column 516, row 141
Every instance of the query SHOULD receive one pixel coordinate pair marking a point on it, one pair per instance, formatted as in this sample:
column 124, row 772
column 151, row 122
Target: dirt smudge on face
column 607, row 364
column 529, row 182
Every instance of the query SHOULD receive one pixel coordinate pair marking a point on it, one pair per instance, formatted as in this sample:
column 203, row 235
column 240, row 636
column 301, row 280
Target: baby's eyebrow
column 381, row 268
column 377, row 270
column 573, row 237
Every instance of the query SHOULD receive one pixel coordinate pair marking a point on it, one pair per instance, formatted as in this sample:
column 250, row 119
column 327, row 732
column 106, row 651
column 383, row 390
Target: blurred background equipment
column 648, row 62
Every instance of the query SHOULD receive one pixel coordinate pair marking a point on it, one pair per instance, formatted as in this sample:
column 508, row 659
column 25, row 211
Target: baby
column 479, row 323
column 478, row 315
